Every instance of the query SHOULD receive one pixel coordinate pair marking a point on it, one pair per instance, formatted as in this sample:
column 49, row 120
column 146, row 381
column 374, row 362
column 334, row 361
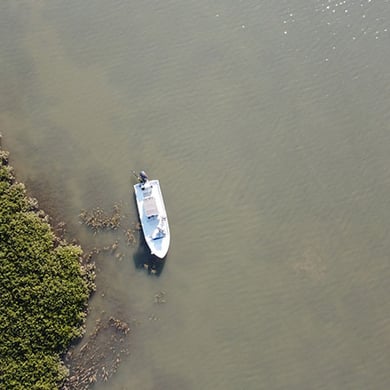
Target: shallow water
column 268, row 127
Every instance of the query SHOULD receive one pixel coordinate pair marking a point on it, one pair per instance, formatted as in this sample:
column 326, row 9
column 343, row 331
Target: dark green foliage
column 43, row 294
column 40, row 371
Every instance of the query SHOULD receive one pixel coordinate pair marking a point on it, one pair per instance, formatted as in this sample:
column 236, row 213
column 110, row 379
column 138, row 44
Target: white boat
column 152, row 214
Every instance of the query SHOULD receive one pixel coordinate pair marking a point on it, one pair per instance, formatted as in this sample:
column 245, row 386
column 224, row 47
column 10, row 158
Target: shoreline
column 85, row 359
column 47, row 283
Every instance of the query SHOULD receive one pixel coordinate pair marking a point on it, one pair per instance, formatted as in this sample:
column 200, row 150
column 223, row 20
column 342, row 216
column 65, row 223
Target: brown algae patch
column 97, row 219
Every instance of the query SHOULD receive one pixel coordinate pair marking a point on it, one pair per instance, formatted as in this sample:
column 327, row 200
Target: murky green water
column 267, row 124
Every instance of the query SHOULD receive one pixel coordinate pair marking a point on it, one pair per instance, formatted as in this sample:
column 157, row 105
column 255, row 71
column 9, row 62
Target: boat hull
column 153, row 217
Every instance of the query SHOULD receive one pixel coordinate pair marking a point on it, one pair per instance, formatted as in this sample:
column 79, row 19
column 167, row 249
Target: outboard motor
column 143, row 177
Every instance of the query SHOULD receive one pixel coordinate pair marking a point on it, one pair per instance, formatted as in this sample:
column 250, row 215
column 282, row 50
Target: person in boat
column 143, row 177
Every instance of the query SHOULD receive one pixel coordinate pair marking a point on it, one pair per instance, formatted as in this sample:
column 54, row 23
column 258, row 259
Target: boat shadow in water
column 143, row 259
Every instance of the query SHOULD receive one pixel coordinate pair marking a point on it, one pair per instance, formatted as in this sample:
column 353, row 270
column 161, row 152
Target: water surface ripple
column 268, row 127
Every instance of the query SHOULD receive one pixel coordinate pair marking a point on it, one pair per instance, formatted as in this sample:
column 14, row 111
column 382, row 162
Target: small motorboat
column 152, row 214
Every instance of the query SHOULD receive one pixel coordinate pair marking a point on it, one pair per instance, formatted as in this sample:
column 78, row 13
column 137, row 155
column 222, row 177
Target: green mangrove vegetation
column 43, row 291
